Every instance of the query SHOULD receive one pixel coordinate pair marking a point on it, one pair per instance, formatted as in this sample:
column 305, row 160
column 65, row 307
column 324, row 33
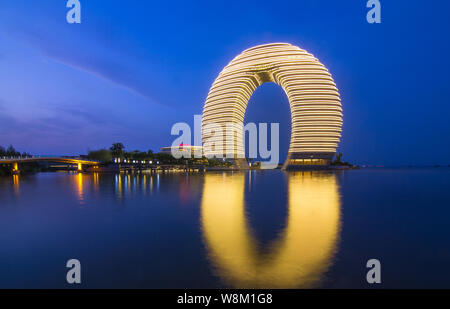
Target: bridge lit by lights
column 75, row 161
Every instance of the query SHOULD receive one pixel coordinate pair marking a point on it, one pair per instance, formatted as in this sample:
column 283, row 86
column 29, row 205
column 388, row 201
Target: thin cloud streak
column 81, row 58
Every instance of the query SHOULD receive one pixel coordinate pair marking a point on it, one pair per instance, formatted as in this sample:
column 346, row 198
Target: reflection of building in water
column 302, row 252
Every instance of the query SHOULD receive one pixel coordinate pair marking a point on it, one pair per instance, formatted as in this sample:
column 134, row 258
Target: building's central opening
column 270, row 104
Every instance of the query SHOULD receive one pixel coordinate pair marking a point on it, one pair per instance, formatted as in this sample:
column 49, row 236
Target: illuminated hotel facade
column 316, row 112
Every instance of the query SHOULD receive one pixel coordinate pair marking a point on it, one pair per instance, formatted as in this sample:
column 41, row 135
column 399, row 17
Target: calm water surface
column 261, row 229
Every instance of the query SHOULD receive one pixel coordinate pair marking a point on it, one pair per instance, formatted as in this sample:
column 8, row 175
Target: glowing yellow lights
column 15, row 167
column 303, row 251
column 16, row 184
column 96, row 184
column 80, row 167
column 79, row 183
column 119, row 186
column 316, row 110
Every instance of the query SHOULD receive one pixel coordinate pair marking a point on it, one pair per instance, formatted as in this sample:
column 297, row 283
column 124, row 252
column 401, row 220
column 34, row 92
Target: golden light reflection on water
column 96, row 184
column 119, row 188
column 16, row 185
column 80, row 188
column 128, row 185
column 144, row 184
column 303, row 251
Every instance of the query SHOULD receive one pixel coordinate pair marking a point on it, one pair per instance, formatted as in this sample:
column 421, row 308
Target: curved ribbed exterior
column 316, row 111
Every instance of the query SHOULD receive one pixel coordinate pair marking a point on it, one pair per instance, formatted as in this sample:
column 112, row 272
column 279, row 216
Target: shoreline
column 178, row 169
column 197, row 170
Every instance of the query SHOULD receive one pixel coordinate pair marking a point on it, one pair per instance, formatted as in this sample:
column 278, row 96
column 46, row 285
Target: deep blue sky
column 133, row 68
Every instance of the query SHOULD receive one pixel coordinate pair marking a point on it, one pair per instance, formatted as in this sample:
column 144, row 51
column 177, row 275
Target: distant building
column 182, row 149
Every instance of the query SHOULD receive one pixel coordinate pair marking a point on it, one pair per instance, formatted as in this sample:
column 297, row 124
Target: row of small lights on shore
column 118, row 160
column 17, row 157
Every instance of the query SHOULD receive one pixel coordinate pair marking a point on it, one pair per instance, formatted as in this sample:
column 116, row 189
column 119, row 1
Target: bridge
column 75, row 161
